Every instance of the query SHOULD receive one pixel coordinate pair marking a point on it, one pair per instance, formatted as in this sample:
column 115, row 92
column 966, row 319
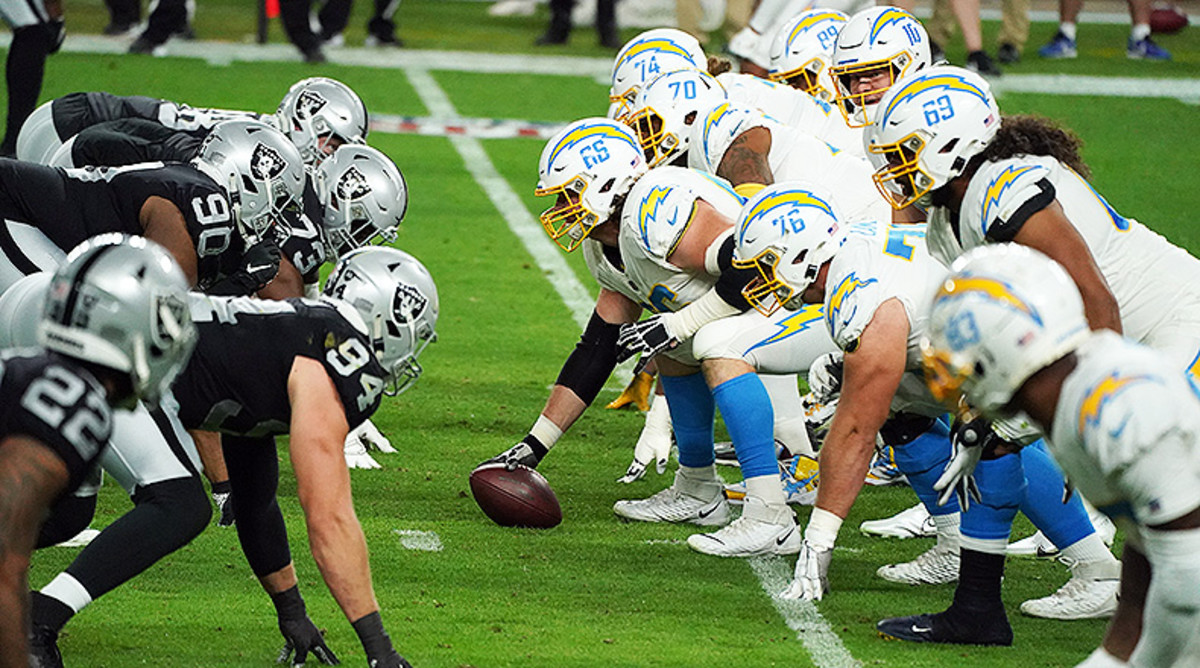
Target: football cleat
column 915, row 522
column 937, row 565
column 799, row 475
column 943, row 628
column 883, row 471
column 674, row 505
column 43, row 647
column 1146, row 49
column 761, row 530
column 1091, row 593
column 1041, row 547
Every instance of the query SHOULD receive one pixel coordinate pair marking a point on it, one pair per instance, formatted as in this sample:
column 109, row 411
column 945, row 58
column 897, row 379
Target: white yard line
column 823, row 645
column 421, row 541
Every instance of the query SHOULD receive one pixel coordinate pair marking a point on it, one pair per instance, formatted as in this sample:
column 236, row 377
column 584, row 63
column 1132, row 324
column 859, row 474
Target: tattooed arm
column 746, row 159
column 31, row 478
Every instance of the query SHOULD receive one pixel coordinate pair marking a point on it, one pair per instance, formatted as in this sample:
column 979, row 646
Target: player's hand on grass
column 301, row 637
column 654, row 443
column 371, row 438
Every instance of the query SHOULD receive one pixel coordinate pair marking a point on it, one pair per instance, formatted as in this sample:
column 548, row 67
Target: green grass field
column 594, row 591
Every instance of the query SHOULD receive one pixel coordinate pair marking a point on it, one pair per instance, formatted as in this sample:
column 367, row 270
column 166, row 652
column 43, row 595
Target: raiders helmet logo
column 353, row 185
column 266, row 163
column 309, row 103
column 170, row 312
column 408, row 303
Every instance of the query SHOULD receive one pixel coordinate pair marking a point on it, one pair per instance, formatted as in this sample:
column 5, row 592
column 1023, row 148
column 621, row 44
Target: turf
column 593, row 591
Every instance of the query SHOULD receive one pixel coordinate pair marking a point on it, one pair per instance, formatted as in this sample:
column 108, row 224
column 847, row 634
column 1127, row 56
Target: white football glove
column 654, row 444
column 812, row 573
column 356, row 454
column 968, row 439
column 372, row 438
column 825, row 377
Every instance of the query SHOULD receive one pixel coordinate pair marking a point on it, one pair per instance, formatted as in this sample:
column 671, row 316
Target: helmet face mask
column 930, row 125
column 588, row 167
column 396, row 299
column 665, row 109
column 364, row 197
column 801, row 52
column 120, row 302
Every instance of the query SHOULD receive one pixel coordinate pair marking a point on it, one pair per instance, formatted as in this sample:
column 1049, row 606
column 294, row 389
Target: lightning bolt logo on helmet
column 935, row 82
column 591, row 132
column 892, row 15
column 993, row 289
column 793, row 199
column 813, row 20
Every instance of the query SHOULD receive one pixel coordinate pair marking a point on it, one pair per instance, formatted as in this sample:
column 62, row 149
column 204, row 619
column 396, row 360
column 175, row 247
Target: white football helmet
column 587, row 165
column 260, row 170
column 364, row 197
column 398, row 302
column 121, row 302
column 927, row 127
column 318, row 108
column 785, row 232
column 880, row 40
column 803, row 50
column 1004, row 312
column 646, row 56
column 665, row 109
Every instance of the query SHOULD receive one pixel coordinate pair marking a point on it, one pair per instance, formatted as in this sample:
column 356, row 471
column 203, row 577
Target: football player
column 1010, row 331
column 1021, row 179
column 660, row 239
column 318, row 114
column 211, row 215
column 311, row 369
column 872, row 278
column 37, row 31
column 873, row 50
column 646, row 56
column 752, row 45
column 115, row 329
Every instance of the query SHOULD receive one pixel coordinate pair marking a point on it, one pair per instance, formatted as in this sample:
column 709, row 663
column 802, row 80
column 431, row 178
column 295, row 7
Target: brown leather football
column 516, row 497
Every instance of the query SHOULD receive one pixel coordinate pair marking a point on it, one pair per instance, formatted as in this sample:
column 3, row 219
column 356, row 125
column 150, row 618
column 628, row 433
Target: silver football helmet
column 398, row 302
column 317, row 109
column 121, row 302
column 260, row 169
column 364, row 198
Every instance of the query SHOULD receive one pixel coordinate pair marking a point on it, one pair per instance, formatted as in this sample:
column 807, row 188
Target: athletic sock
column 1139, row 32
column 1067, row 29
column 48, row 611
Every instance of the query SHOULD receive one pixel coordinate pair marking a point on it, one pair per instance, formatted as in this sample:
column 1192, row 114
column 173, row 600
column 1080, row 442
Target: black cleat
column 981, row 63
column 1008, row 54
column 43, row 648
column 941, row 628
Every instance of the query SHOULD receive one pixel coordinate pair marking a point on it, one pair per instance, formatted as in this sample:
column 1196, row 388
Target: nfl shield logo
column 266, row 163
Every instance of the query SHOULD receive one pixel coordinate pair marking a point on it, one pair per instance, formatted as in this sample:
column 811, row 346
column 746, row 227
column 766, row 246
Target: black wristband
column 534, row 444
column 374, row 639
column 289, row 604
column 222, row 487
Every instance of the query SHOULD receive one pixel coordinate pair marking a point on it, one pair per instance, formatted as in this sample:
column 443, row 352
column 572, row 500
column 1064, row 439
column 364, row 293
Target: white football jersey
column 656, row 214
column 877, row 262
column 1126, row 431
column 1153, row 280
column 606, row 267
column 795, row 109
column 794, row 156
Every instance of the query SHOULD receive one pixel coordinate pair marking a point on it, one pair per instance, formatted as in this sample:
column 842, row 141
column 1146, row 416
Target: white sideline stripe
column 529, row 231
column 421, row 541
column 599, row 69
column 823, row 645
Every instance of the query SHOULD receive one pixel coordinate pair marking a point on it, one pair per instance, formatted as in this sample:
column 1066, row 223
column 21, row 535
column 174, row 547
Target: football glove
column 393, row 660
column 301, row 637
column 224, row 503
column 649, row 337
column 522, row 453
column 372, row 438
column 825, row 377
column 968, row 437
column 256, row 269
column 654, row 444
column 812, row 573
column 356, row 454
column 637, row 393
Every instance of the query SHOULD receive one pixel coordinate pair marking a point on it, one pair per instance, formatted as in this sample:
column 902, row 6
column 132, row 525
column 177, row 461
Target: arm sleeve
column 592, row 361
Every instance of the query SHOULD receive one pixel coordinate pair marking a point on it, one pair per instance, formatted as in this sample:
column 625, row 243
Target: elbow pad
column 592, row 361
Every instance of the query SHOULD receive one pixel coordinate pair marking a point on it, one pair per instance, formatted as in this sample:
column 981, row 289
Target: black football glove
column 300, row 635
column 257, row 268
column 393, row 660
column 527, row 452
column 649, row 337
column 224, row 503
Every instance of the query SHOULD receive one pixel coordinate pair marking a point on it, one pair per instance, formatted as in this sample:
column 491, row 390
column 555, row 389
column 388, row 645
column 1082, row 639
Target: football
column 518, row 497
column 1167, row 19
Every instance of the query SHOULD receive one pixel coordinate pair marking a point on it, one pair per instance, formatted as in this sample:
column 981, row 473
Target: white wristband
column 822, row 529
column 685, row 322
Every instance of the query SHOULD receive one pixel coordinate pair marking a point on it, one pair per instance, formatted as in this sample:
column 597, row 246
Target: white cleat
column 761, row 530
column 673, row 505
column 915, row 522
column 1038, row 545
column 1091, row 593
column 937, row 565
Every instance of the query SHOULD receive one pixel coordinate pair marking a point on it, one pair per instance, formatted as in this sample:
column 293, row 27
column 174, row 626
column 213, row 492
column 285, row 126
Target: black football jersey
column 77, row 111
column 129, row 141
column 70, row 205
column 237, row 379
column 300, row 237
column 52, row 399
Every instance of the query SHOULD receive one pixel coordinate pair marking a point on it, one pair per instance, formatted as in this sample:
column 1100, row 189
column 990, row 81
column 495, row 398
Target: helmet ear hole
column 949, row 146
column 608, row 185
